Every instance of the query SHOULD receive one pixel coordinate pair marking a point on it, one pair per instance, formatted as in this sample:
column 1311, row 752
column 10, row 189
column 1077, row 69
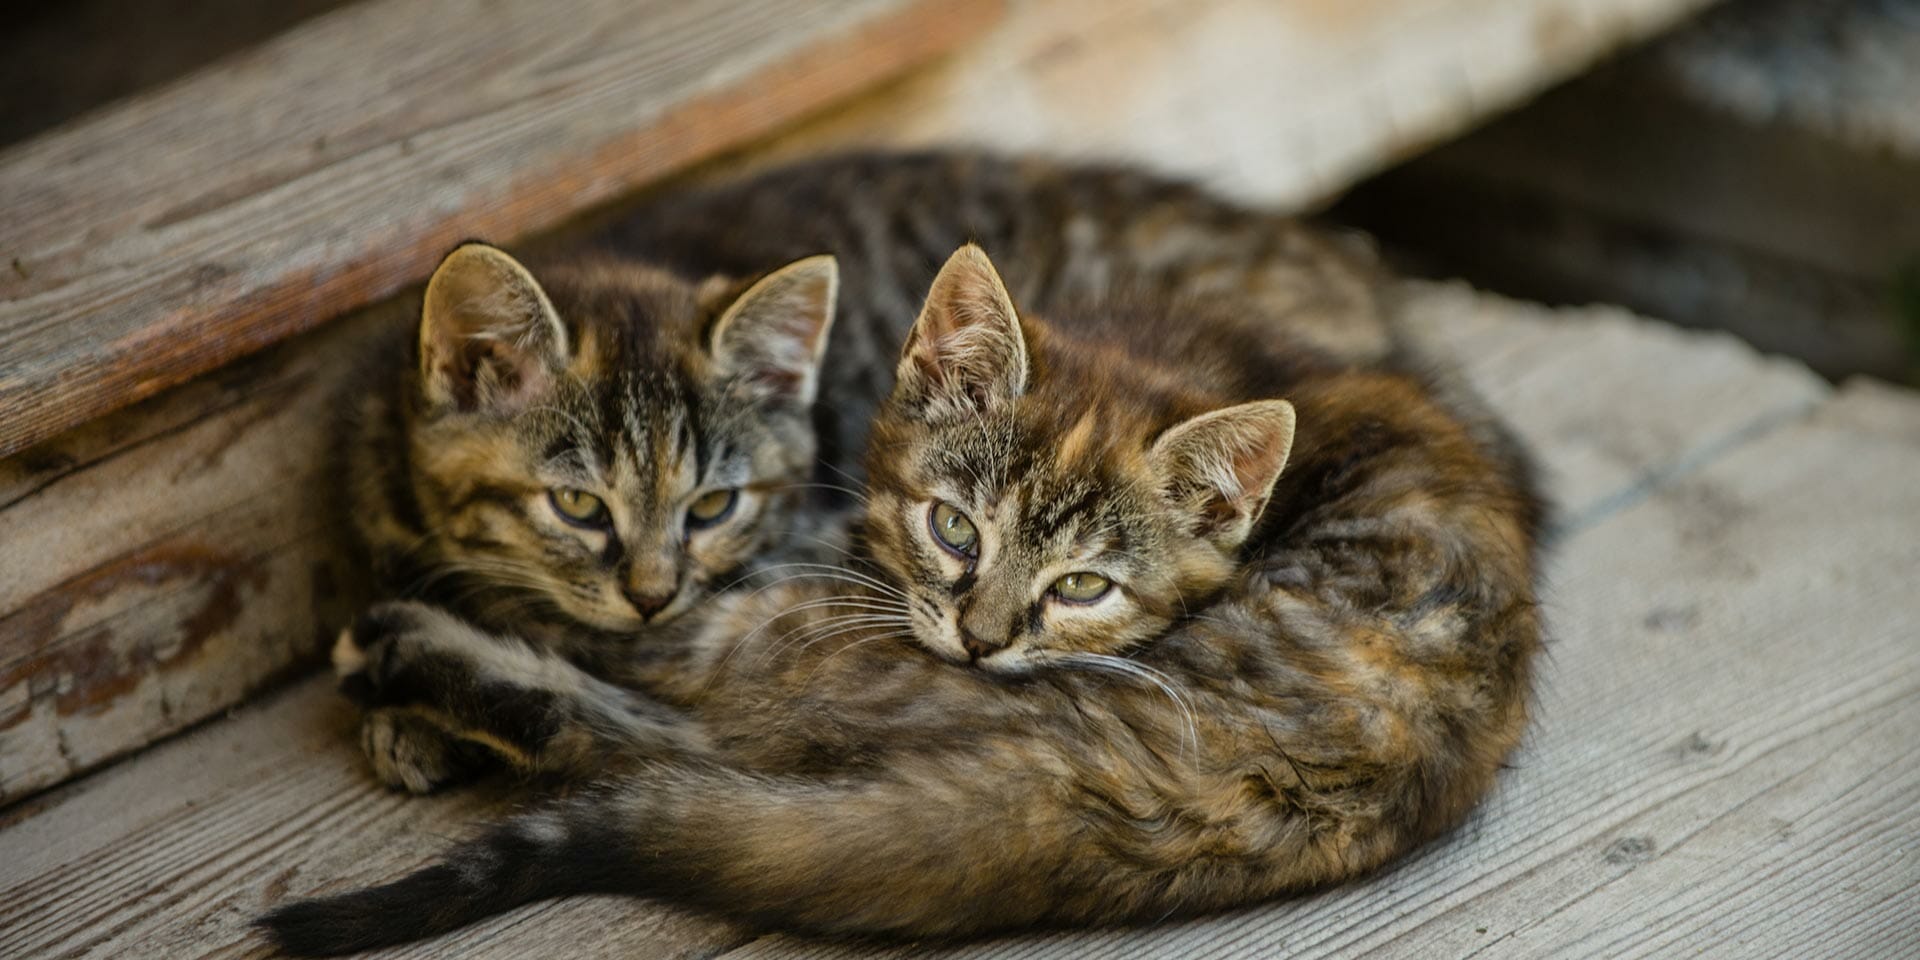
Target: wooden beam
column 332, row 166
column 167, row 561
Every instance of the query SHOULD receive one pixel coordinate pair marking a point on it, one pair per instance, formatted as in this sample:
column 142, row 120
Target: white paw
column 348, row 657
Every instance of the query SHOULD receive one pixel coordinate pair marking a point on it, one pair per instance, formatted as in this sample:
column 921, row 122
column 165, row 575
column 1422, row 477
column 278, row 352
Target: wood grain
column 173, row 856
column 332, row 166
column 167, row 561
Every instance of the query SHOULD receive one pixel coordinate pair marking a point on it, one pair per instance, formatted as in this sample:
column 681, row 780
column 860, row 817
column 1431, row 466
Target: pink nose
column 649, row 604
column 976, row 647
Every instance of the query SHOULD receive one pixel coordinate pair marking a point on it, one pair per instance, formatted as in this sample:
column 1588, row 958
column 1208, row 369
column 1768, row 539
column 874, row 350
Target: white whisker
column 863, row 641
column 1133, row 668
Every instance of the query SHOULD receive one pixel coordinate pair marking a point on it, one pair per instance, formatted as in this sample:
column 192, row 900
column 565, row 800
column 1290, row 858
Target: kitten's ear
column 489, row 337
column 1220, row 467
column 770, row 339
column 965, row 352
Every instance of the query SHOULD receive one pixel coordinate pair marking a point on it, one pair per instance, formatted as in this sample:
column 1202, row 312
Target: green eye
column 578, row 507
column 711, row 508
column 1081, row 587
column 954, row 530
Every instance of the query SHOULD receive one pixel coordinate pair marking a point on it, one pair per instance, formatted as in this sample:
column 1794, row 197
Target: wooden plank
column 172, row 855
column 167, row 561
column 1593, row 390
column 332, row 166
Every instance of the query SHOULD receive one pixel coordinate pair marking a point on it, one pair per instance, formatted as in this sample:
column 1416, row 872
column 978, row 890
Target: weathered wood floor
column 1725, row 759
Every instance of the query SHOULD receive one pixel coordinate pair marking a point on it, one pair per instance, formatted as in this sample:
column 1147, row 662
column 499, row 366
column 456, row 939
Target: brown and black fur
column 1345, row 690
column 638, row 299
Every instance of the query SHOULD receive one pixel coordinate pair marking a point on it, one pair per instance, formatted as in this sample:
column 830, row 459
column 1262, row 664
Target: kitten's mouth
column 1000, row 664
column 613, row 620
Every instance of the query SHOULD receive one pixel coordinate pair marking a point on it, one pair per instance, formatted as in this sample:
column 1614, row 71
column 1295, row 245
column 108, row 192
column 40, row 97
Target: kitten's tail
column 903, row 854
column 548, row 853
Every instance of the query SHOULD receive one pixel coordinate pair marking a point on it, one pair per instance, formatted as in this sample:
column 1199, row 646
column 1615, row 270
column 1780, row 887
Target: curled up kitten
column 1125, row 647
column 575, row 459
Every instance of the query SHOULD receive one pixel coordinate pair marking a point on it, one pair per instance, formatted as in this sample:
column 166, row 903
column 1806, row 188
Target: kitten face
column 1005, row 547
column 613, row 443
column 1038, row 510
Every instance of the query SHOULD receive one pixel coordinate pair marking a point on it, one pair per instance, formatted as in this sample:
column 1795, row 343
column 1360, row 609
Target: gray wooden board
column 1724, row 759
column 171, row 855
column 166, row 562
column 324, row 170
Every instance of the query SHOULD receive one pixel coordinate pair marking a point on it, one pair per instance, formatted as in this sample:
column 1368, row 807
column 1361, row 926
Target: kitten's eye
column 1081, row 587
column 711, row 508
column 578, row 507
column 954, row 530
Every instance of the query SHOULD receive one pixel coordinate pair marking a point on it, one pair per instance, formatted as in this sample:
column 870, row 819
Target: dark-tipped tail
column 529, row 858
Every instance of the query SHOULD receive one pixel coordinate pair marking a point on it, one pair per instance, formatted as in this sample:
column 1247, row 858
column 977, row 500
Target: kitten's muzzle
column 976, row 647
column 647, row 604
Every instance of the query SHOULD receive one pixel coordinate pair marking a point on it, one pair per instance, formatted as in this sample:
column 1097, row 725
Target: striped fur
column 1306, row 681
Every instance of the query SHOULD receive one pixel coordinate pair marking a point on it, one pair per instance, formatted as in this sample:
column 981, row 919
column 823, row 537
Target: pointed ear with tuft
column 966, row 352
column 1220, row 467
column 769, row 341
column 489, row 337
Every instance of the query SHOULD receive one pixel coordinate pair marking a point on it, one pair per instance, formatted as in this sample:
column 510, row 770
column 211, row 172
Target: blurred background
column 1750, row 165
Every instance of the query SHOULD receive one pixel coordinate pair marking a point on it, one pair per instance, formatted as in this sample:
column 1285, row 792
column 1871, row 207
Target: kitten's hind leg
column 420, row 669
column 412, row 751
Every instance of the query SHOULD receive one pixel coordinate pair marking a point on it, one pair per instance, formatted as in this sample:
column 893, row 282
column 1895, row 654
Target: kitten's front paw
column 370, row 653
column 410, row 753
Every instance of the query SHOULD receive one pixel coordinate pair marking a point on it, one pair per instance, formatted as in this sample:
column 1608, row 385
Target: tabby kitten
column 1066, row 489
column 575, row 458
column 1047, row 497
column 609, row 438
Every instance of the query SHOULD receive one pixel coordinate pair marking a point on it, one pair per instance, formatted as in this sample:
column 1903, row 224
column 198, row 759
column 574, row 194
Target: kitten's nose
column 976, row 647
column 649, row 604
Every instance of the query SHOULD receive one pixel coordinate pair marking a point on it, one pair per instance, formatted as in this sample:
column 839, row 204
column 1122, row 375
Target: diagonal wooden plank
column 330, row 167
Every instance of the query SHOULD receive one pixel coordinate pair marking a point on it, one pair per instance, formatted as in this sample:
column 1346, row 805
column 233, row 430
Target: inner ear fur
column 489, row 337
column 770, row 339
column 1220, row 467
column 966, row 351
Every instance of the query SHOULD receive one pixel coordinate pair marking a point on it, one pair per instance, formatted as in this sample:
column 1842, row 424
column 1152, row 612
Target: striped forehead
column 1074, row 509
column 1031, row 508
column 660, row 431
